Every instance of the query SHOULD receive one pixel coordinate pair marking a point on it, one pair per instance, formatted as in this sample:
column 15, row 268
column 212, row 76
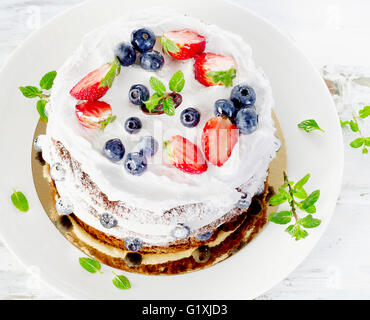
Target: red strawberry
column 183, row 44
column 92, row 114
column 185, row 155
column 96, row 83
column 212, row 69
column 219, row 138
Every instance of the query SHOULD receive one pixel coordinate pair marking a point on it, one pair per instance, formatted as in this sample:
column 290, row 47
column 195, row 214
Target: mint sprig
column 30, row 92
column 90, row 265
column 309, row 126
column 19, row 201
column 354, row 125
column 176, row 85
column 169, row 46
column 121, row 282
column 223, row 77
column 288, row 193
column 114, row 71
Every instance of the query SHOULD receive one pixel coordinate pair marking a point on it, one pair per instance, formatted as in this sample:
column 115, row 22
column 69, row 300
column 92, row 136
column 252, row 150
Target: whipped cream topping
column 162, row 187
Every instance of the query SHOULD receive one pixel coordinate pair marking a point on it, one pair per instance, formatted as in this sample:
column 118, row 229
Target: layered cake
column 159, row 142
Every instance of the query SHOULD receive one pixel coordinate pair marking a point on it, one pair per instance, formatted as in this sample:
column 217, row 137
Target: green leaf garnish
column 282, row 217
column 169, row 46
column 344, row 123
column 288, row 192
column 354, row 126
column 358, row 143
column 90, row 265
column 30, row 92
column 309, row 222
column 121, row 282
column 365, row 112
column 169, row 106
column 111, row 74
column 309, row 126
column 47, row 80
column 177, row 82
column 40, row 106
column 223, row 77
column 107, row 121
column 153, row 101
column 157, row 86
column 20, row 201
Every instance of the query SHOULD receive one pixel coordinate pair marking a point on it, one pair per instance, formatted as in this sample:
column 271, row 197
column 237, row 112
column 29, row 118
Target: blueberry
column 64, row 206
column 133, row 244
column 204, row 237
column 136, row 164
column 181, row 232
column 246, row 120
column 243, row 96
column 225, row 108
column 126, row 54
column 114, row 150
column 151, row 60
column 108, row 221
column 143, row 39
column 190, row 117
column 148, row 146
column 57, row 172
column 138, row 94
column 133, row 125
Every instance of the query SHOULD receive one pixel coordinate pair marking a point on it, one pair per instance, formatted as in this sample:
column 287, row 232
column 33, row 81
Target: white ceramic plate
column 299, row 92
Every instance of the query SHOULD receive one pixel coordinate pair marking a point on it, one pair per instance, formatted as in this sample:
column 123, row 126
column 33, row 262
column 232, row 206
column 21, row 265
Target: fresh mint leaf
column 365, row 112
column 296, row 232
column 358, row 143
column 365, row 151
column 311, row 200
column 90, row 265
column 367, row 142
column 282, row 217
column 309, row 222
column 108, row 121
column 20, row 201
column 153, row 101
column 177, row 82
column 354, row 126
column 30, row 92
column 278, row 199
column 344, row 123
column 40, row 106
column 47, row 80
column 300, row 193
column 223, row 77
column 157, row 86
column 169, row 106
column 302, row 182
column 311, row 209
column 309, row 126
column 121, row 282
column 111, row 74
column 169, row 46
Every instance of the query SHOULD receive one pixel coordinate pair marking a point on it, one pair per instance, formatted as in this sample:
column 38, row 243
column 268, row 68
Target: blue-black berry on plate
column 136, row 164
column 243, row 96
column 190, row 117
column 133, row 125
column 148, row 146
column 133, row 244
column 143, row 39
column 108, row 221
column 246, row 120
column 126, row 54
column 225, row 108
column 138, row 94
column 204, row 237
column 151, row 60
column 114, row 150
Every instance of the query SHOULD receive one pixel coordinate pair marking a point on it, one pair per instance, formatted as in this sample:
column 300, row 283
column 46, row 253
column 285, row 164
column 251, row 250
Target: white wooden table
column 331, row 31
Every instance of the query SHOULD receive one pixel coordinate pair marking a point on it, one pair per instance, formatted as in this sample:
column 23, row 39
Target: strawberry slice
column 93, row 114
column 96, row 84
column 212, row 69
column 183, row 44
column 219, row 138
column 185, row 155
